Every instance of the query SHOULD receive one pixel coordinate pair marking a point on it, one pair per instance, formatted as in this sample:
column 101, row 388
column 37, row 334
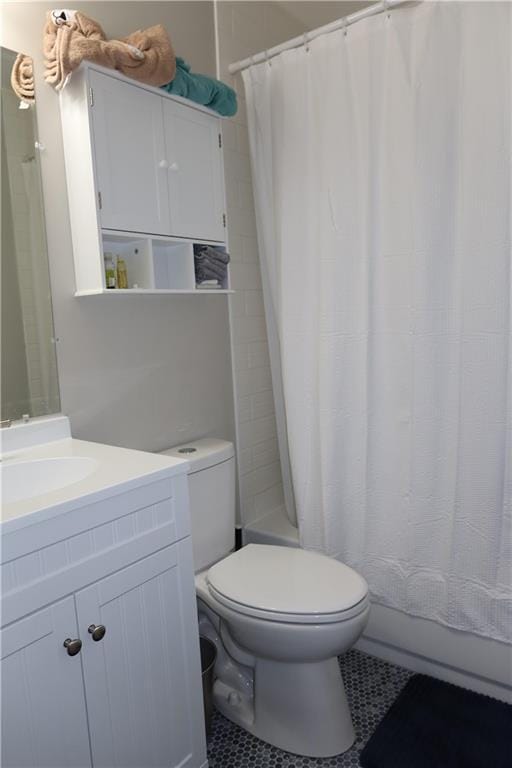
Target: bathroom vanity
column 99, row 642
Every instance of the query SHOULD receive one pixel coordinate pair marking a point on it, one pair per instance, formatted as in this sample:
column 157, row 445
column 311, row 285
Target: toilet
column 279, row 617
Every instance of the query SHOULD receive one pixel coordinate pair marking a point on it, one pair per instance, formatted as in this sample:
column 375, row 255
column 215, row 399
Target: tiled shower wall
column 244, row 28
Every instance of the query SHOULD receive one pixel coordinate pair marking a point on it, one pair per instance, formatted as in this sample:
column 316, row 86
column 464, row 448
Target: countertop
column 117, row 470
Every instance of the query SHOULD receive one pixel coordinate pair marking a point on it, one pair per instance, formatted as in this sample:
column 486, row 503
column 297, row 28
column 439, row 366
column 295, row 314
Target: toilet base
column 300, row 708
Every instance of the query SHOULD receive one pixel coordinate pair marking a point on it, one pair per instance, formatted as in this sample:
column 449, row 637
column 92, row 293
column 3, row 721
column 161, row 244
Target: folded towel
column 210, row 263
column 71, row 36
column 210, row 253
column 209, row 271
column 22, row 78
column 202, row 89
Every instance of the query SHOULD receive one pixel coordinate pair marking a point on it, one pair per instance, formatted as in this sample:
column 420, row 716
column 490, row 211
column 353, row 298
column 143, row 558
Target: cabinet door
column 196, row 185
column 143, row 678
column 43, row 720
column 129, row 150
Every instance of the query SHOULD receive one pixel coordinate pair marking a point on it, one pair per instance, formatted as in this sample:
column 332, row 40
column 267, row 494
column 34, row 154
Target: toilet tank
column 211, row 481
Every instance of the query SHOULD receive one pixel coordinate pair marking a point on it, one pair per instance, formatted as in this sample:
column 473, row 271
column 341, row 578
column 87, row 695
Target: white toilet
column 279, row 617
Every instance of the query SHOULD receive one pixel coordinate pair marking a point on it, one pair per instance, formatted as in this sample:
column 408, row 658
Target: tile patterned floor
column 371, row 685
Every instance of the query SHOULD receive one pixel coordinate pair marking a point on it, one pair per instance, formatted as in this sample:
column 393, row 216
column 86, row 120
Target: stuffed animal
column 70, row 37
column 22, row 78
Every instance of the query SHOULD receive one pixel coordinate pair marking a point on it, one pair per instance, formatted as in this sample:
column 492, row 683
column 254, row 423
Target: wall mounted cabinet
column 141, row 165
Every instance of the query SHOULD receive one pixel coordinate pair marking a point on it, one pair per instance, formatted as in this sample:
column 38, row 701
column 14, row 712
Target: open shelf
column 137, row 255
column 173, row 265
column 225, row 281
column 152, row 291
column 154, row 265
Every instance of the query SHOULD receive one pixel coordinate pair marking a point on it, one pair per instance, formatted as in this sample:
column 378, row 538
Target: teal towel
column 202, row 89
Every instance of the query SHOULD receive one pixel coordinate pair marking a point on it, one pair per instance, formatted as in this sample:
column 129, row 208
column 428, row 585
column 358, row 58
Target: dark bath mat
column 433, row 724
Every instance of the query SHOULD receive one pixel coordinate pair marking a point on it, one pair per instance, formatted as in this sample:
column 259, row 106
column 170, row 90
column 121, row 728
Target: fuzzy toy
column 71, row 36
column 22, row 78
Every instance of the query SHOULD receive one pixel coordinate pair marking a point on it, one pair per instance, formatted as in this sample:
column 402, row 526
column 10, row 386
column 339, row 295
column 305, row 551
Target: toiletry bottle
column 110, row 270
column 122, row 274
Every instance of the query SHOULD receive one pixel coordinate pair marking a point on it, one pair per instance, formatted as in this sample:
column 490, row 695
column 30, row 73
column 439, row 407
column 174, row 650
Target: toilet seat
column 286, row 584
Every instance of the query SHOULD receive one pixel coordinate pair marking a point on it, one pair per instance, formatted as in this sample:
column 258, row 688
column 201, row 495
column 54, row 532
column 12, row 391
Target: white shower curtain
column 382, row 164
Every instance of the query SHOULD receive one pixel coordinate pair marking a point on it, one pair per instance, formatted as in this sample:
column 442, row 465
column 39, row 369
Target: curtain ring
column 344, row 26
column 306, row 41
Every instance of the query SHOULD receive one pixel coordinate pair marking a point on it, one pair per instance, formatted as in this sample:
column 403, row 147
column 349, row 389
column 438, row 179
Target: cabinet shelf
column 154, row 265
column 152, row 291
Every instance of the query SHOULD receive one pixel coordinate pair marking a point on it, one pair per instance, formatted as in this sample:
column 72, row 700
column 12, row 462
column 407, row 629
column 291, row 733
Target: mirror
column 29, row 369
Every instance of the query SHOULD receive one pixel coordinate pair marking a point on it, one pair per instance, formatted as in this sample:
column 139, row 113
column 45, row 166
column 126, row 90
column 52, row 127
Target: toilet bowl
column 290, row 634
column 279, row 617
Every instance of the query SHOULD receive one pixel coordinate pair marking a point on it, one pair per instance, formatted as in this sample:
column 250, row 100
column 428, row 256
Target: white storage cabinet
column 145, row 181
column 99, row 644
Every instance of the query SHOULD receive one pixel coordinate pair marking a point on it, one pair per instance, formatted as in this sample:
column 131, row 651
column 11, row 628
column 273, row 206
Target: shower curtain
column 381, row 159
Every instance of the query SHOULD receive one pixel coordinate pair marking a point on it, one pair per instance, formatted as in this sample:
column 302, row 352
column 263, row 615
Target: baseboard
column 473, row 662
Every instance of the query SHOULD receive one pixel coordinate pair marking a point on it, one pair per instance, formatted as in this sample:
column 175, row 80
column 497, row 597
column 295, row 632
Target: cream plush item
column 70, row 37
column 22, row 78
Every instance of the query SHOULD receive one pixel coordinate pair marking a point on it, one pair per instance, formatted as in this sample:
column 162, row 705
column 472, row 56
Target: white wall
column 137, row 371
column 144, row 371
column 244, row 28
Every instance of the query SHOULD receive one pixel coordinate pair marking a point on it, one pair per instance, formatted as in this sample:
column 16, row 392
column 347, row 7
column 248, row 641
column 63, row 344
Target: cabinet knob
column 97, row 631
column 72, row 646
column 174, row 167
column 163, row 164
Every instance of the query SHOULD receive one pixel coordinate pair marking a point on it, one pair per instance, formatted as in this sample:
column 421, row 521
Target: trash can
column 208, row 657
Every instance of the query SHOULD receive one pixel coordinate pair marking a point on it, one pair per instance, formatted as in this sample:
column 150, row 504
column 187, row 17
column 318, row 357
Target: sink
column 21, row 480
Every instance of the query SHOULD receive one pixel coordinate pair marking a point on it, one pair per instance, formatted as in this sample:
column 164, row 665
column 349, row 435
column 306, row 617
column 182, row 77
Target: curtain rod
column 296, row 42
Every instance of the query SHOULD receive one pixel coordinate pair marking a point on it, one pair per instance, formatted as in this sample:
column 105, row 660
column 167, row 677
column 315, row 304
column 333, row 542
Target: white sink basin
column 21, row 480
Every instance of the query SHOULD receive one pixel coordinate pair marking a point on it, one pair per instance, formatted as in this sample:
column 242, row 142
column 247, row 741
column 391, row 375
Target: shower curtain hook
column 344, row 26
column 386, row 8
column 306, row 41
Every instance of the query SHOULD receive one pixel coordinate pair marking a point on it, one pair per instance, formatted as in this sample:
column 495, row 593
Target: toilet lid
column 286, row 580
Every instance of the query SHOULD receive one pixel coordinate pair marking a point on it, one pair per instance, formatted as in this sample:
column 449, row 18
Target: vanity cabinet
column 44, row 719
column 136, row 677
column 106, row 671
column 143, row 169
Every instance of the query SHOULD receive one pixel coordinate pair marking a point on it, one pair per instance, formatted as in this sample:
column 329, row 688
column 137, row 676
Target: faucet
column 4, row 423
